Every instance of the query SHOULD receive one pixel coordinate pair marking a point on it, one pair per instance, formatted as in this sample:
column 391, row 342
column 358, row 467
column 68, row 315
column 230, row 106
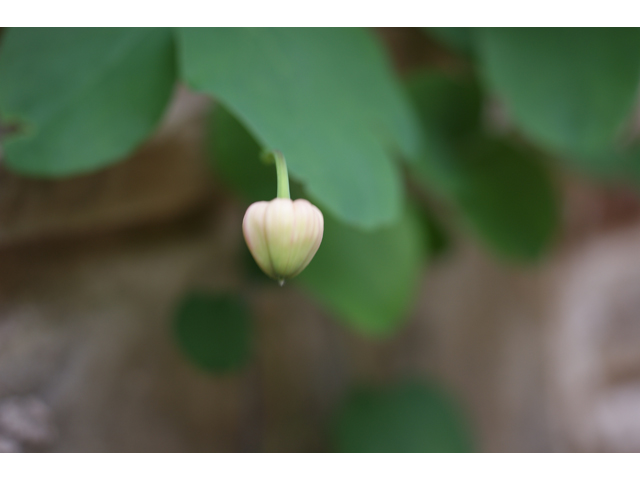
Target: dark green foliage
column 214, row 331
column 438, row 238
column 569, row 89
column 502, row 190
column 82, row 99
column 368, row 278
column 412, row 417
column 235, row 157
column 326, row 98
column 459, row 39
column 508, row 198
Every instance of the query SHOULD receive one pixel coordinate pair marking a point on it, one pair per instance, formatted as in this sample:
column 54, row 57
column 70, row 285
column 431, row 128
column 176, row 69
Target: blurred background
column 478, row 284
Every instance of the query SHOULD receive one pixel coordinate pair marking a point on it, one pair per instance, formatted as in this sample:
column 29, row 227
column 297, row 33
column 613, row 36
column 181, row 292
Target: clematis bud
column 283, row 235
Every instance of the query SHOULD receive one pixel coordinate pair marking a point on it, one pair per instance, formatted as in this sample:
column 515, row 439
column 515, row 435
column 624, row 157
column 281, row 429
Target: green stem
column 283, row 175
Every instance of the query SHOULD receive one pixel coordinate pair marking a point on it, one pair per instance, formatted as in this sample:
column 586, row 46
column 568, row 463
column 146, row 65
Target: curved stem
column 283, row 175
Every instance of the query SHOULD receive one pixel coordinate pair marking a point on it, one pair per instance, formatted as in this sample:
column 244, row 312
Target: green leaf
column 82, row 98
column 439, row 239
column 458, row 38
column 451, row 106
column 508, row 198
column 450, row 112
column 235, row 157
column 569, row 89
column 503, row 192
column 213, row 331
column 368, row 279
column 325, row 97
column 630, row 165
column 410, row 418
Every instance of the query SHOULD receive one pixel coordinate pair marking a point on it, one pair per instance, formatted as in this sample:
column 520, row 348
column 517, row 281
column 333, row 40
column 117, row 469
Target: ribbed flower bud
column 283, row 235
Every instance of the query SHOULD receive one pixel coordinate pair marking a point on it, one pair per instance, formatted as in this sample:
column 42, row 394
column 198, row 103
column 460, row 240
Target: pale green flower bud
column 283, row 235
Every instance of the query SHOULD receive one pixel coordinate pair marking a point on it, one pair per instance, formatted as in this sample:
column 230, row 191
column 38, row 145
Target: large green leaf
column 458, row 38
column 369, row 279
column 503, row 192
column 325, row 97
column 213, row 331
column 450, row 112
column 509, row 199
column 410, row 418
column 568, row 89
column 82, row 98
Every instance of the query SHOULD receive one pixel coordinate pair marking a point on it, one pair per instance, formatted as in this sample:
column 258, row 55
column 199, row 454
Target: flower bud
column 283, row 235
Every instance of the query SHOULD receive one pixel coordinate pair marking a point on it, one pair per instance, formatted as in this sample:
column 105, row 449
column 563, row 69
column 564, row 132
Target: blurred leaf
column 631, row 161
column 214, row 331
column 439, row 239
column 509, row 199
column 459, row 39
column 503, row 192
column 569, row 89
column 412, row 418
column 235, row 156
column 450, row 106
column 450, row 112
column 326, row 98
column 368, row 279
column 618, row 165
column 83, row 98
